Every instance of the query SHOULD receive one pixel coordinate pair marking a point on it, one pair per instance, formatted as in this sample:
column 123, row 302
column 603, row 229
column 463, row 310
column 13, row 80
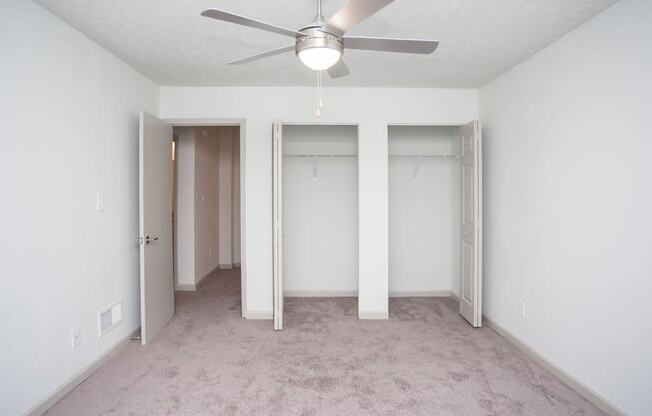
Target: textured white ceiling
column 168, row 41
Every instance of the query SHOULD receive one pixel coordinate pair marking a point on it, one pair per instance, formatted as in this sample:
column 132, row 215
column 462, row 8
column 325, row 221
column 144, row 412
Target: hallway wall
column 184, row 232
column 208, row 165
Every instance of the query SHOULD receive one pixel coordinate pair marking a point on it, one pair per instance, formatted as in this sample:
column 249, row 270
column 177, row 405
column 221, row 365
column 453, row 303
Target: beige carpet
column 425, row 360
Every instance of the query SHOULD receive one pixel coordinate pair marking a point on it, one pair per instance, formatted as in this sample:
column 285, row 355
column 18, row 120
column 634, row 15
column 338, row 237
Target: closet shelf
column 423, row 157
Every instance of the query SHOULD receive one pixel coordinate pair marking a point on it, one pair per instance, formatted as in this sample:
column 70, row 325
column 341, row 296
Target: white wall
column 424, row 211
column 69, row 128
column 320, row 212
column 185, row 208
column 568, row 197
column 373, row 109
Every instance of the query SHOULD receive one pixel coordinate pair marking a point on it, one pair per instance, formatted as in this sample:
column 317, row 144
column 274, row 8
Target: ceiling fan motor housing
column 316, row 37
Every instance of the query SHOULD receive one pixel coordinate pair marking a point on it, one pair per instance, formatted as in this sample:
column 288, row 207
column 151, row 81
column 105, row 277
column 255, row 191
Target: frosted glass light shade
column 319, row 59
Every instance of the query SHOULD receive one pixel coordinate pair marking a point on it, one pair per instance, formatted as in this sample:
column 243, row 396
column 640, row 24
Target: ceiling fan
column 320, row 45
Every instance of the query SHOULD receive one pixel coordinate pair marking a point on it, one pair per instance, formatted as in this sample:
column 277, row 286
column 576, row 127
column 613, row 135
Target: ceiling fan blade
column 338, row 70
column 391, row 45
column 263, row 55
column 354, row 12
column 245, row 21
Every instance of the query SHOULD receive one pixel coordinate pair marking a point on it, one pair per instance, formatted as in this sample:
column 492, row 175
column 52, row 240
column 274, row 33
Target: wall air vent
column 109, row 317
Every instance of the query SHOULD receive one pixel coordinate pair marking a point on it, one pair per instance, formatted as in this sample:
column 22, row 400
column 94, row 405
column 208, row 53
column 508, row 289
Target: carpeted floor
column 425, row 360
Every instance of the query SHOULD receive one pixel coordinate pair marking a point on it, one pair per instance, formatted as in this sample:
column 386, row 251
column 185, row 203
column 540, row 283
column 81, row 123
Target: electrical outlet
column 74, row 337
column 521, row 308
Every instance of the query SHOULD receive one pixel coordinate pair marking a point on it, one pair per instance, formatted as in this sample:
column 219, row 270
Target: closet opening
column 425, row 209
column 317, row 205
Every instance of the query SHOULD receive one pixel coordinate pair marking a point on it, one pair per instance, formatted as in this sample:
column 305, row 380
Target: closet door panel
column 467, row 270
column 471, row 281
column 468, row 196
column 277, row 204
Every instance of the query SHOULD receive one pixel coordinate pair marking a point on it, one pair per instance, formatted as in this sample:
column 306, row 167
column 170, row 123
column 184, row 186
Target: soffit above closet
column 169, row 42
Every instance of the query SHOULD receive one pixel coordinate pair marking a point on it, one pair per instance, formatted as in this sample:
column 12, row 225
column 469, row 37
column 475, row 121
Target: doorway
column 207, row 211
column 190, row 207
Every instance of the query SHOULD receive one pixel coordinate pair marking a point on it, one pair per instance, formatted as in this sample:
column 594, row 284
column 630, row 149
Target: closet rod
column 424, row 157
column 321, row 156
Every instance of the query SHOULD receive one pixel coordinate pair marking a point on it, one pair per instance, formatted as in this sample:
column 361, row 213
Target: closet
column 434, row 217
column 434, row 213
column 316, row 211
column 424, row 210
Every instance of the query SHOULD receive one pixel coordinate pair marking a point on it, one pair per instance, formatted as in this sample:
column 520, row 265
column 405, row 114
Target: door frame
column 241, row 124
column 277, row 224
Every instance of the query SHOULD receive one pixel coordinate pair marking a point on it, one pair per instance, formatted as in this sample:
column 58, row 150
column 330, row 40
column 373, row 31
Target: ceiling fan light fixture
column 320, row 44
column 318, row 50
column 319, row 58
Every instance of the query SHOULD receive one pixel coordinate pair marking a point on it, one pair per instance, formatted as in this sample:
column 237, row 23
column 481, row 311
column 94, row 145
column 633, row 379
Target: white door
column 471, row 282
column 277, row 179
column 155, row 203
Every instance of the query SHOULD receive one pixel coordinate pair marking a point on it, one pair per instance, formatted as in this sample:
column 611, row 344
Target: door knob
column 149, row 239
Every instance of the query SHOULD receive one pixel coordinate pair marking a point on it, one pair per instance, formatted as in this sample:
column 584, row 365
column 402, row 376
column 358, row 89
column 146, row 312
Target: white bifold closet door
column 277, row 179
column 471, row 279
column 155, row 215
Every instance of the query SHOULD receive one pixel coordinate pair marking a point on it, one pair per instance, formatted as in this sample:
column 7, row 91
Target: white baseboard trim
column 581, row 388
column 320, row 294
column 201, row 281
column 373, row 315
column 421, row 294
column 259, row 315
column 185, row 287
column 225, row 266
column 354, row 294
column 79, row 377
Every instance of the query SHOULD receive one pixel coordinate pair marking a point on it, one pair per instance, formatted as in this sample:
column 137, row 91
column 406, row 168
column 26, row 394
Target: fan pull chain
column 320, row 104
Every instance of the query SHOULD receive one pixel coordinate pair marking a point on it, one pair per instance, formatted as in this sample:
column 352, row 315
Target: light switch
column 99, row 202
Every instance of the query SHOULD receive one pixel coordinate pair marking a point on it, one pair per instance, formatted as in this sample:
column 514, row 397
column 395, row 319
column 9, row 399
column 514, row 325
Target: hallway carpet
column 425, row 360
